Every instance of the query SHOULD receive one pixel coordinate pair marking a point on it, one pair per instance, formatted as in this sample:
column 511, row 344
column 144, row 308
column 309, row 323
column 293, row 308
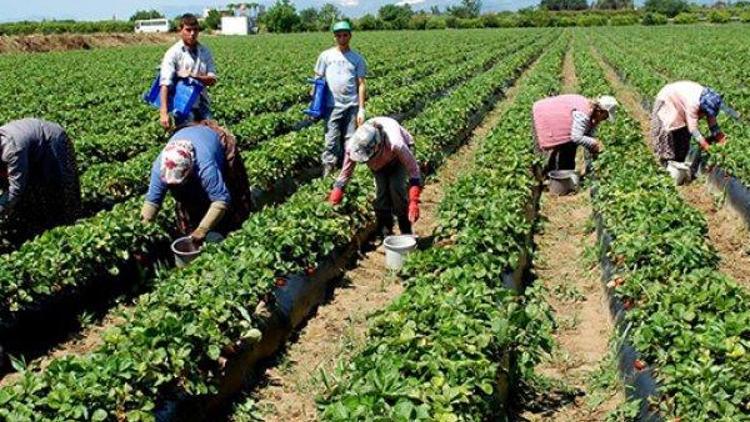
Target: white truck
column 151, row 25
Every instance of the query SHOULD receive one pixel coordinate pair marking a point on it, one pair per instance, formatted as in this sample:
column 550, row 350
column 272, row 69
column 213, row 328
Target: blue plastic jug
column 319, row 104
column 182, row 95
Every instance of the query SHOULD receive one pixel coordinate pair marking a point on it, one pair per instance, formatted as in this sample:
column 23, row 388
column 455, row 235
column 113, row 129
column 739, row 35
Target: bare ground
column 64, row 42
column 579, row 303
column 727, row 231
column 569, row 78
column 581, row 311
column 338, row 330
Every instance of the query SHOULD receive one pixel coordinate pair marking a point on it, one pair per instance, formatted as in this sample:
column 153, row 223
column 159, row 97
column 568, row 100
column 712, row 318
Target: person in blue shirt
column 200, row 166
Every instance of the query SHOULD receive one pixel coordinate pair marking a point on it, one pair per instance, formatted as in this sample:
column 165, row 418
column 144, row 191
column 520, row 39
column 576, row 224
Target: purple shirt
column 396, row 146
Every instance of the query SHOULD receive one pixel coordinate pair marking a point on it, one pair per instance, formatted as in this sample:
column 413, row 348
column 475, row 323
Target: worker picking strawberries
column 388, row 150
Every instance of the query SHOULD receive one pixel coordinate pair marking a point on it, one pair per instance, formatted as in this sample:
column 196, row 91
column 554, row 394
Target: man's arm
column 17, row 161
column 167, row 74
column 163, row 110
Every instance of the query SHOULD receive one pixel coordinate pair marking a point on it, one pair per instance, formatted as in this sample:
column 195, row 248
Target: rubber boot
column 404, row 225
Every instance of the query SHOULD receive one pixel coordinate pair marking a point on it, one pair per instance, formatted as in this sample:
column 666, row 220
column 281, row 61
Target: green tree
column 669, row 8
column 564, row 5
column 146, row 14
column 328, row 15
column 467, row 10
column 395, row 17
column 282, row 17
column 309, row 19
column 213, row 20
column 613, row 4
column 368, row 22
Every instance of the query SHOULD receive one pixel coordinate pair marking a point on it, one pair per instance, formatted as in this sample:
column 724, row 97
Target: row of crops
column 69, row 258
column 174, row 344
column 687, row 323
column 710, row 56
column 442, row 350
column 457, row 339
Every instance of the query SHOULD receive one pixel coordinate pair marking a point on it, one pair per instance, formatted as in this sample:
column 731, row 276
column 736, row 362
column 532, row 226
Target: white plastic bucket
column 680, row 172
column 396, row 249
column 563, row 182
column 184, row 250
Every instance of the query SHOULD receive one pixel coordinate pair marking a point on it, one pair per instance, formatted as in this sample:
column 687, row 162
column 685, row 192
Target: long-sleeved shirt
column 205, row 184
column 180, row 59
column 681, row 106
column 396, row 146
column 581, row 131
column 26, row 144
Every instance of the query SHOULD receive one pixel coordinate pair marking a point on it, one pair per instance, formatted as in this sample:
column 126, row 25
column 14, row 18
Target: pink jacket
column 553, row 121
column 395, row 147
column 681, row 105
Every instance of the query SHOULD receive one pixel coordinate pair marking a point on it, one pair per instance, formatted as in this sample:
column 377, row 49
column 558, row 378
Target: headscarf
column 177, row 160
column 364, row 143
column 711, row 102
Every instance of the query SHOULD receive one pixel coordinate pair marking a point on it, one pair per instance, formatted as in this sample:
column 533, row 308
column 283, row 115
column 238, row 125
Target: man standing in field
column 187, row 58
column 344, row 71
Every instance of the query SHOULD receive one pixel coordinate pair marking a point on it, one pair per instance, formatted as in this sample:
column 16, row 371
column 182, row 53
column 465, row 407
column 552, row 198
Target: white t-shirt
column 341, row 71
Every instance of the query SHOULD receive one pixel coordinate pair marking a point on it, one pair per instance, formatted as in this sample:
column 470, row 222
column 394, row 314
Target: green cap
column 342, row 26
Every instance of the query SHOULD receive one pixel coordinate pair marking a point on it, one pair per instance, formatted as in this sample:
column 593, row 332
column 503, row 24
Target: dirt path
column 573, row 280
column 66, row 42
column 339, row 328
column 727, row 231
column 569, row 78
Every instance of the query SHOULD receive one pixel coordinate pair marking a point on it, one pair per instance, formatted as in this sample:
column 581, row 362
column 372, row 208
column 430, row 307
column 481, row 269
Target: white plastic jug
column 396, row 249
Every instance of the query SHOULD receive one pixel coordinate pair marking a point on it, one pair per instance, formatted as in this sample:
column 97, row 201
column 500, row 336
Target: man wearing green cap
column 344, row 71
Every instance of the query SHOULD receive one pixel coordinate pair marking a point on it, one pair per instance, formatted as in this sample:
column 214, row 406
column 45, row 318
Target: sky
column 14, row 10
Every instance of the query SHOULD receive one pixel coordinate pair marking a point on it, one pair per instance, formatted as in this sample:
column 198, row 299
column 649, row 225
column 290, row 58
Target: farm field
column 625, row 301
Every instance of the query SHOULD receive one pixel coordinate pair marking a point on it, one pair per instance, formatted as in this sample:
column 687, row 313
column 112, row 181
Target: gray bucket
column 396, row 249
column 184, row 250
column 563, row 182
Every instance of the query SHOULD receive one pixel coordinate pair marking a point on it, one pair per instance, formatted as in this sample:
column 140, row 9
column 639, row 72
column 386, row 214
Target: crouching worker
column 387, row 148
column 674, row 121
column 40, row 177
column 564, row 122
column 200, row 165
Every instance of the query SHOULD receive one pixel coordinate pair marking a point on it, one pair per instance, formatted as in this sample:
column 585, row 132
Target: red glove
column 337, row 194
column 704, row 144
column 720, row 138
column 414, row 193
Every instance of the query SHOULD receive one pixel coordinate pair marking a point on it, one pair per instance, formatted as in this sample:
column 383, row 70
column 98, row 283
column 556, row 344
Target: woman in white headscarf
column 387, row 149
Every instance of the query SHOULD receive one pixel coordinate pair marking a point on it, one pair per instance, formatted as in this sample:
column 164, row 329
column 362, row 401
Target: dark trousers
column 391, row 197
column 562, row 157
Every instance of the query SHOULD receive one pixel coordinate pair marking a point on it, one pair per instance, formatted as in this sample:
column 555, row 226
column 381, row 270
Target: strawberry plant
column 171, row 343
column 436, row 353
column 686, row 321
